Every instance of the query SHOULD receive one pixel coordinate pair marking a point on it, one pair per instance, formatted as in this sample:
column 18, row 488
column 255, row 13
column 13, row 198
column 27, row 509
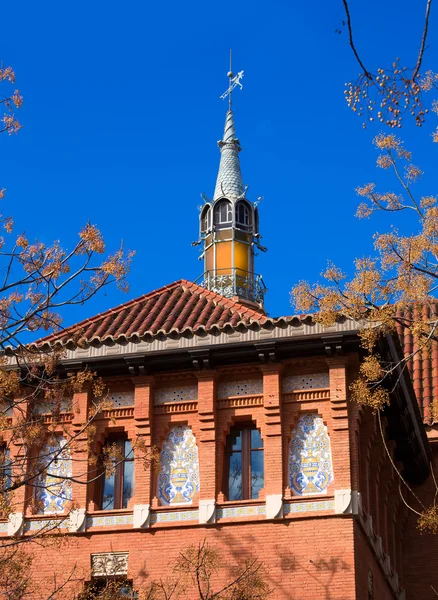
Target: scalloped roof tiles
column 173, row 309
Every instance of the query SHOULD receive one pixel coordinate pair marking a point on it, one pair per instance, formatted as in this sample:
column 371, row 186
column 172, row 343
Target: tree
column 386, row 95
column 38, row 283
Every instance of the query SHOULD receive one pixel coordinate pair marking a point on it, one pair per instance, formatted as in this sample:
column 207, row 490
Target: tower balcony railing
column 235, row 282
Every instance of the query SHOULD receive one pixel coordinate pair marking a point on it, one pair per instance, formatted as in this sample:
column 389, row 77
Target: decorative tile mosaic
column 122, row 399
column 46, row 408
column 176, row 394
column 172, row 517
column 3, row 527
column 310, row 460
column 247, row 387
column 178, row 479
column 240, row 511
column 299, row 507
column 53, row 493
column 110, row 521
column 305, row 382
column 47, row 526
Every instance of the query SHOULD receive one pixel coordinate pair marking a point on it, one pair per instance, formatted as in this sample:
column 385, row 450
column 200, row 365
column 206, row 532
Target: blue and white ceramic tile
column 53, row 493
column 176, row 394
column 178, row 479
column 122, row 399
column 171, row 517
column 305, row 382
column 299, row 507
column 240, row 511
column 246, row 387
column 310, row 460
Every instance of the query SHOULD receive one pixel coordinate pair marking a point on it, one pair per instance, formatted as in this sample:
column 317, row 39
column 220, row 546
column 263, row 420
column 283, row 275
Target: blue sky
column 122, row 114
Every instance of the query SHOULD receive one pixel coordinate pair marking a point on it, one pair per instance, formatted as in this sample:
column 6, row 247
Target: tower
column 229, row 223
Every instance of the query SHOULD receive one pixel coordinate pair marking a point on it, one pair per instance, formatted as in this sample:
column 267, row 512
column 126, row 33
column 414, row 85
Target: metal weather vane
column 234, row 81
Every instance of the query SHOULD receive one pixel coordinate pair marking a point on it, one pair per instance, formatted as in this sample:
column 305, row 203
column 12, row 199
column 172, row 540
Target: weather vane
column 234, row 81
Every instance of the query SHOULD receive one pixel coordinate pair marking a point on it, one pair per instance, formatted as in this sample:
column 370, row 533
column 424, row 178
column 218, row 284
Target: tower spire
column 229, row 223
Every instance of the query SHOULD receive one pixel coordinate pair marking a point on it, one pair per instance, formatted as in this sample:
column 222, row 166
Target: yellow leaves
column 8, row 224
column 92, row 238
column 428, row 520
column 371, row 368
column 7, row 74
column 412, row 173
column 374, row 397
column 366, row 190
column 384, row 161
column 427, row 201
column 17, row 99
column 386, row 142
column 333, row 273
column 22, row 241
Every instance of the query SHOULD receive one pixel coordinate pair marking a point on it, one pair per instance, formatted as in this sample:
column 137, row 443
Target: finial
column 233, row 82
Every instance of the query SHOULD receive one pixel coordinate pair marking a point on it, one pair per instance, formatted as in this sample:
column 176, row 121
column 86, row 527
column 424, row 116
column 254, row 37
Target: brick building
column 261, row 451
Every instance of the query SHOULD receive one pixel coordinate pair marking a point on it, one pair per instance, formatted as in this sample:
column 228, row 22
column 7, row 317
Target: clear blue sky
column 122, row 115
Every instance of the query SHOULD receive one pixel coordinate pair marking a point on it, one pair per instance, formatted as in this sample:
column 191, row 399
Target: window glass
column 235, row 477
column 118, row 485
column 245, row 463
column 256, row 439
column 108, row 493
column 257, row 472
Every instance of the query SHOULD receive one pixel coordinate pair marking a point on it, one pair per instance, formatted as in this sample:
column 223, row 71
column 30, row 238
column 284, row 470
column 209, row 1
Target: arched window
column 223, row 214
column 310, row 460
column 178, row 479
column 116, row 485
column 53, row 485
column 243, row 216
column 205, row 219
column 245, row 474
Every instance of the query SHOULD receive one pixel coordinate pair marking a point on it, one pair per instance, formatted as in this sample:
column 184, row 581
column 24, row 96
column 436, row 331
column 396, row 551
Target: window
column 118, row 480
column 205, row 219
column 243, row 219
column 223, row 214
column 5, row 469
column 109, row 587
column 245, row 463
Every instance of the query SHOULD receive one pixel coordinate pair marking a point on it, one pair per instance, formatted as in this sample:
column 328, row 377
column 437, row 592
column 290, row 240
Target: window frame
column 246, row 452
column 217, row 216
column 119, row 440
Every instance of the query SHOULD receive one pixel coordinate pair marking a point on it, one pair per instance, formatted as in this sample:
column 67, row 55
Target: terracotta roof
column 423, row 367
column 175, row 309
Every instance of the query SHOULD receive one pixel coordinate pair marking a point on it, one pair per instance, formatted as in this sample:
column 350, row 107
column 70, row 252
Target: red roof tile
column 176, row 308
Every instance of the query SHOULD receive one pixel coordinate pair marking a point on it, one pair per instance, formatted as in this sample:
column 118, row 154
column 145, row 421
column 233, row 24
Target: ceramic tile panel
column 52, row 491
column 243, row 387
column 172, row 517
column 178, row 479
column 240, row 511
column 300, row 507
column 310, row 460
column 305, row 382
column 109, row 521
column 179, row 393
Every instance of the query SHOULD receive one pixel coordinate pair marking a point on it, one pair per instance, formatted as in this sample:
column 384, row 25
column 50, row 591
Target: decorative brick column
column 22, row 496
column 143, row 416
column 80, row 455
column 273, row 440
column 340, row 434
column 207, row 445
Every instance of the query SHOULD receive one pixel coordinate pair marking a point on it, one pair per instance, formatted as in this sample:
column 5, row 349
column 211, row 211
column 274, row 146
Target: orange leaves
column 92, row 239
column 7, row 74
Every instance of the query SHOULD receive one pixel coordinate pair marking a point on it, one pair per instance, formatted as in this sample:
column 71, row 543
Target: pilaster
column 272, row 431
column 207, row 443
column 339, row 430
column 143, row 417
column 79, row 448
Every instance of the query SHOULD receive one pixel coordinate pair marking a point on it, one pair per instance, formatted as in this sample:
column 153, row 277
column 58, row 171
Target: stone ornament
column 247, row 387
column 180, row 393
column 207, row 511
column 292, row 383
column 77, row 520
column 274, row 506
column 109, row 564
column 142, row 516
column 15, row 523
column 54, row 489
column 178, row 479
column 310, row 460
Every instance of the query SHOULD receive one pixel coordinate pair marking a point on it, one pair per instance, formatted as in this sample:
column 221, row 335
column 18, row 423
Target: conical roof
column 229, row 179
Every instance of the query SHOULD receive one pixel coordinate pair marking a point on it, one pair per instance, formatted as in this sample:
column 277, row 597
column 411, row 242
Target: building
column 261, row 451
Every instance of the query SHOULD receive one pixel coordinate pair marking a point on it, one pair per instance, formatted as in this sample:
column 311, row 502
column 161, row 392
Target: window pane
column 256, row 439
column 257, row 472
column 235, row 477
column 108, row 493
column 235, row 439
column 128, row 482
column 128, row 450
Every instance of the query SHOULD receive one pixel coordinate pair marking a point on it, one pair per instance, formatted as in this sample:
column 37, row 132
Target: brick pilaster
column 207, row 442
column 272, row 430
column 339, row 434
column 143, row 416
column 79, row 448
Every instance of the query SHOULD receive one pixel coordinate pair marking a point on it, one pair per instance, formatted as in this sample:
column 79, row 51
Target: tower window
column 245, row 463
column 205, row 219
column 118, row 479
column 243, row 216
column 223, row 214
